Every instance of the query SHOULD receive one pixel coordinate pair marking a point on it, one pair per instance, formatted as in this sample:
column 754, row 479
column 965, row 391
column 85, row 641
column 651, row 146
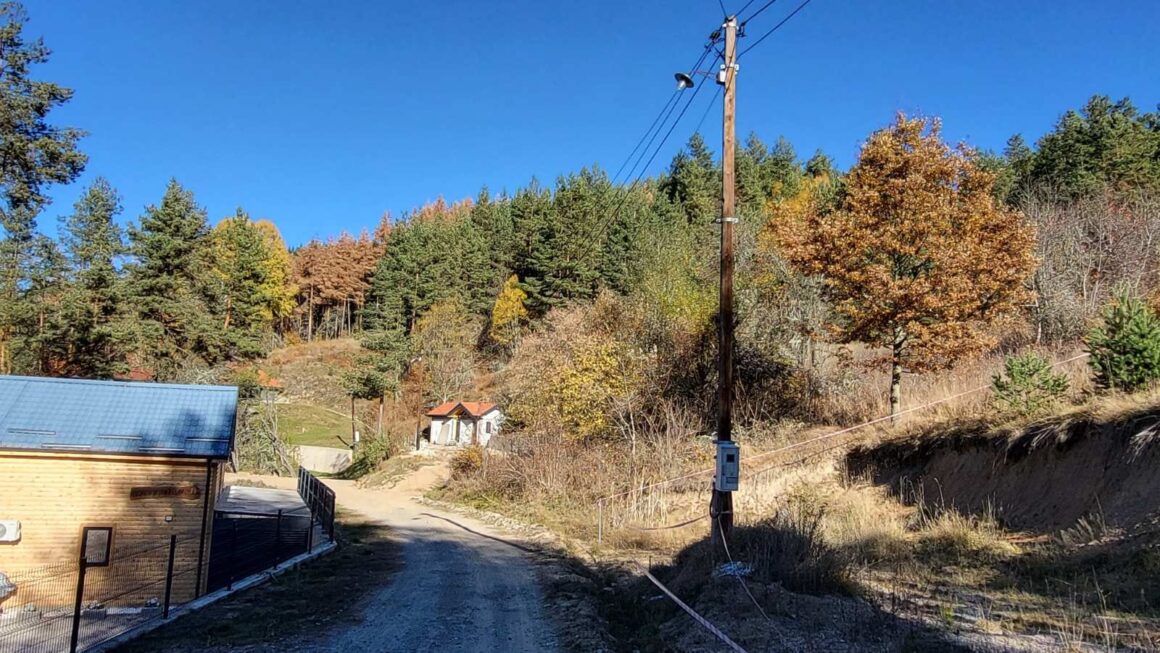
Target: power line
column 645, row 135
column 696, row 65
column 721, row 4
column 624, row 198
column 775, row 28
column 706, row 114
column 593, row 237
column 756, row 13
column 742, row 10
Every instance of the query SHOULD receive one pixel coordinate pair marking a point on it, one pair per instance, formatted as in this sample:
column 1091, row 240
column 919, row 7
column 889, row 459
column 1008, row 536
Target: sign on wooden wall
column 183, row 491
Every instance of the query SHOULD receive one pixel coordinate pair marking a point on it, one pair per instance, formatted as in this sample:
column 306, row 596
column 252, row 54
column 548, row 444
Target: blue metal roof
column 117, row 417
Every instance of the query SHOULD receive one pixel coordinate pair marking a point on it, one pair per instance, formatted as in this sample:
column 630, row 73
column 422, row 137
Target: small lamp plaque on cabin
column 96, row 542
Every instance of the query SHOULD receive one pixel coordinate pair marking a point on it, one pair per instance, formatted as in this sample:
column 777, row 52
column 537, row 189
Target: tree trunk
column 896, row 375
column 310, row 316
column 382, row 400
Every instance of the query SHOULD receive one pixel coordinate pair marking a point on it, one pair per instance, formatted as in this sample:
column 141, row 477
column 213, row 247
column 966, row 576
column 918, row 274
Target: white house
column 462, row 423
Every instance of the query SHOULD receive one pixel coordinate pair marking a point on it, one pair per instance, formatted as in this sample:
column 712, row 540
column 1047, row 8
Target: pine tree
column 694, row 183
column 1105, row 144
column 36, row 319
column 493, row 219
column 240, row 265
column 169, row 285
column 93, row 313
column 36, row 153
column 1125, row 349
column 561, row 236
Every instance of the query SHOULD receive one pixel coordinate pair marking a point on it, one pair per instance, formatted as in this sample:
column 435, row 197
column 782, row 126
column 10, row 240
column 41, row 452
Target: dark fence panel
column 246, row 544
column 319, row 499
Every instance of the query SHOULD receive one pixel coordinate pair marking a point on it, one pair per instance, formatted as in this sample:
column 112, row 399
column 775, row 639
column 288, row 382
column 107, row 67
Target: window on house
column 487, row 428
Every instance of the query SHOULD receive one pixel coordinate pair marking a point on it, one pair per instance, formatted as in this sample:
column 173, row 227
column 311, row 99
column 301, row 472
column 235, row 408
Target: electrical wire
column 595, row 238
column 592, row 238
column 725, row 544
column 756, row 13
column 645, row 135
column 742, row 10
column 721, row 4
column 774, row 28
column 831, row 434
column 676, row 93
column 712, row 103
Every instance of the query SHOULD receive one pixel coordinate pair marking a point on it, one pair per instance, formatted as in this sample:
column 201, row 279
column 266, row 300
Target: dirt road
column 461, row 586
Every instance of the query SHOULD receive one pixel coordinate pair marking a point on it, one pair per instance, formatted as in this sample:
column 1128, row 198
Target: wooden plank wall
column 54, row 495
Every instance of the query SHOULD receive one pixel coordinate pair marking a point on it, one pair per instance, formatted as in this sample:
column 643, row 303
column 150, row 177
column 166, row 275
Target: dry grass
column 949, row 534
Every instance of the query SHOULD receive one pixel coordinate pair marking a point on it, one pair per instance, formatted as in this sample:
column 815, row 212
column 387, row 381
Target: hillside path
column 460, row 585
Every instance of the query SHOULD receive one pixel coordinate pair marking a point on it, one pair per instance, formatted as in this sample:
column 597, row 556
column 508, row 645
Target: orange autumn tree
column 916, row 256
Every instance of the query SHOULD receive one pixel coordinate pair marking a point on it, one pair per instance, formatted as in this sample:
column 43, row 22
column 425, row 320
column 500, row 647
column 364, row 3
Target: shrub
column 248, row 381
column 257, row 446
column 1125, row 350
column 368, row 455
column 467, row 461
column 1027, row 385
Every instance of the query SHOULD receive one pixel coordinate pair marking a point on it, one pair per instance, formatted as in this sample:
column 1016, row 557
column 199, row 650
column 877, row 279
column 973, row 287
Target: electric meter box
column 728, row 466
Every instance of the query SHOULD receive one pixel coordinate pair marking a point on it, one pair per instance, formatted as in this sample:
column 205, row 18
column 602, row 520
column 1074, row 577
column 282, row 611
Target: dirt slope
column 1043, row 478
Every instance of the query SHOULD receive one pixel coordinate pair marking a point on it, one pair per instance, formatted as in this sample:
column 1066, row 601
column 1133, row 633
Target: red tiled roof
column 472, row 408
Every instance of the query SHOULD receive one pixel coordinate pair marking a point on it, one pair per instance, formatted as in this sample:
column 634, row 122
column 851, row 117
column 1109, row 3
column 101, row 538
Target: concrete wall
column 324, row 459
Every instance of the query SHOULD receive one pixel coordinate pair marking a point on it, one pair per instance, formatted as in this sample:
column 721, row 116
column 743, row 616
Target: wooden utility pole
column 722, row 503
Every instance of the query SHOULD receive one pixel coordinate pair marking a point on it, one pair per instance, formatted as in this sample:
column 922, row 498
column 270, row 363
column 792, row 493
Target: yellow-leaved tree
column 916, row 256
column 277, row 288
column 508, row 314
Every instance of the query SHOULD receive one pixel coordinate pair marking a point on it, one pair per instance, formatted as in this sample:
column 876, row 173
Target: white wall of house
column 489, row 426
column 470, row 429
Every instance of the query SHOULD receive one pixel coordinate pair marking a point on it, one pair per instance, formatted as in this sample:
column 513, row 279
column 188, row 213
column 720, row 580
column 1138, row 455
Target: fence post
column 330, row 516
column 169, row 575
column 278, row 540
column 233, row 555
column 310, row 533
column 76, row 624
column 600, row 521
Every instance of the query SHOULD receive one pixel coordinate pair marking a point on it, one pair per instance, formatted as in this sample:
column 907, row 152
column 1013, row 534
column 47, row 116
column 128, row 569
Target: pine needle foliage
column 1125, row 350
column 1027, row 386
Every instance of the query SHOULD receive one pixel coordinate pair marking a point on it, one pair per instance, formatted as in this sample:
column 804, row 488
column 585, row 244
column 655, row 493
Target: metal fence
column 76, row 605
column 319, row 499
column 111, row 588
column 244, row 544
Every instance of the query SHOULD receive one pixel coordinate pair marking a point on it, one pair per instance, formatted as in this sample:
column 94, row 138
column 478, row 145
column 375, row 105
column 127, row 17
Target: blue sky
column 323, row 115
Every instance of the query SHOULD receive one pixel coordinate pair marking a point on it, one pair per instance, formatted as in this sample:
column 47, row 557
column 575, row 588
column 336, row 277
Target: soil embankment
column 1101, row 469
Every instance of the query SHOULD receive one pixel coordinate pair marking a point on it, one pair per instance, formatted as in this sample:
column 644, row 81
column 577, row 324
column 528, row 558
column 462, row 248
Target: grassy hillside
column 312, row 425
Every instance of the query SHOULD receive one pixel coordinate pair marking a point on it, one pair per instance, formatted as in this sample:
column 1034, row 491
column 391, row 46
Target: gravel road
column 460, row 585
